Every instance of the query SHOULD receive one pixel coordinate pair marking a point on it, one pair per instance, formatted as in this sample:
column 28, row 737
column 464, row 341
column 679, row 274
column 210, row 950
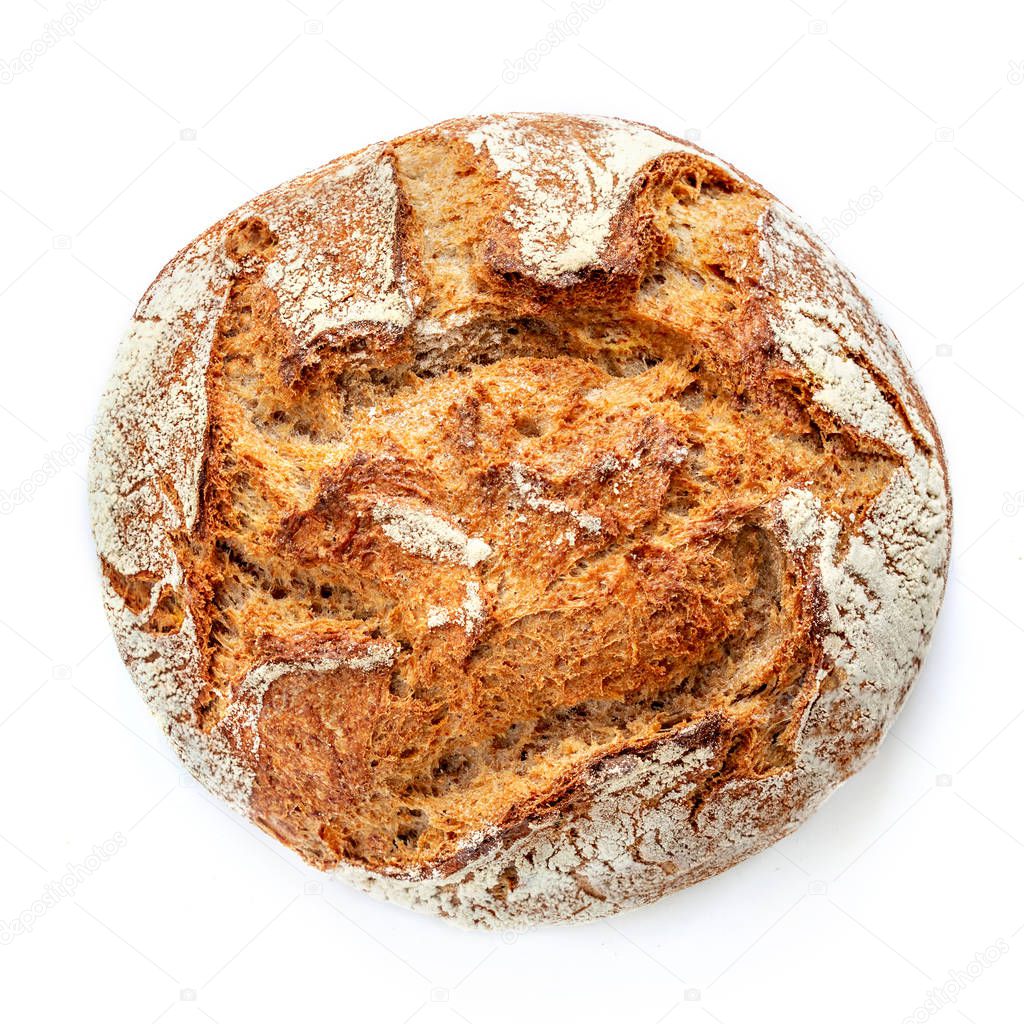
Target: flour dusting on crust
column 337, row 262
column 147, row 461
column 425, row 534
column 144, row 475
column 882, row 595
column 823, row 323
column 468, row 615
column 568, row 188
column 529, row 491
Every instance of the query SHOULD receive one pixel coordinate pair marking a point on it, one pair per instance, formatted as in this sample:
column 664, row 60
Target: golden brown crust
column 540, row 457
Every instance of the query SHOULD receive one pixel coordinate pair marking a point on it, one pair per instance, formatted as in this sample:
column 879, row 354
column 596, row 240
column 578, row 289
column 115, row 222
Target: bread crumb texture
column 524, row 518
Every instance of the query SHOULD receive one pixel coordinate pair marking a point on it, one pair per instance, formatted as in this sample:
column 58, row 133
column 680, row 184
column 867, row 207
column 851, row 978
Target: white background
column 895, row 127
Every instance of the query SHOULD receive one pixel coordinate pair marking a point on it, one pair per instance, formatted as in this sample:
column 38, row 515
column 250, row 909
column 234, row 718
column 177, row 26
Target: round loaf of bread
column 523, row 519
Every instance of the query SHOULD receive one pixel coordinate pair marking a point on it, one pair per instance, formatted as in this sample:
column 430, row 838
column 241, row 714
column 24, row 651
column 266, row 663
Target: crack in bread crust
column 569, row 527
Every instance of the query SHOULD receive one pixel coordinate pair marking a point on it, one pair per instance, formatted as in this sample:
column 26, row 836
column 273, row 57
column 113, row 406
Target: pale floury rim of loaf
column 523, row 519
